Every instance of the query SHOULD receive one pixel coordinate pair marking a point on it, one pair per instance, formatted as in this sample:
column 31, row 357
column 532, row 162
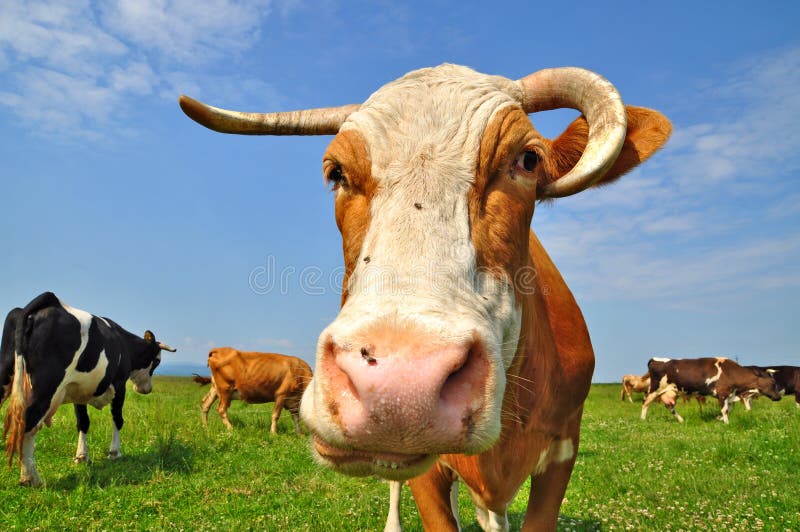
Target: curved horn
column 165, row 347
column 325, row 121
column 600, row 103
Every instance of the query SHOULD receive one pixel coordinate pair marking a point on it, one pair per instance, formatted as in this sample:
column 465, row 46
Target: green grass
column 175, row 474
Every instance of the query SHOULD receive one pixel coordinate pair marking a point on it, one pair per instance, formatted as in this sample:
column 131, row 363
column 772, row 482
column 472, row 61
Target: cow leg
column 296, row 419
column 40, row 411
column 276, row 413
column 671, row 408
column 116, row 414
column 746, row 401
column 393, row 523
column 548, row 488
column 725, row 407
column 224, row 404
column 797, row 399
column 82, row 418
column 652, row 396
column 487, row 519
column 432, row 492
column 34, row 417
column 208, row 402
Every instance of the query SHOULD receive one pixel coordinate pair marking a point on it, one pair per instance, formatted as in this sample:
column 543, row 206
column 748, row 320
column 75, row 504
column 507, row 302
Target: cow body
column 256, row 378
column 716, row 376
column 52, row 354
column 459, row 353
column 634, row 383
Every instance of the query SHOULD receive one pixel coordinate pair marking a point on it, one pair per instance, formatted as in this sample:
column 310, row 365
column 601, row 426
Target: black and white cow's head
column 144, row 363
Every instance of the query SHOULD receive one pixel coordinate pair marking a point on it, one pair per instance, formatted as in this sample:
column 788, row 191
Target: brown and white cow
column 717, row 376
column 787, row 378
column 634, row 383
column 459, row 353
column 255, row 378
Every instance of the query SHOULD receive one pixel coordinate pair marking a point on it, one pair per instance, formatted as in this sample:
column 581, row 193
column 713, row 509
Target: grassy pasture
column 175, row 474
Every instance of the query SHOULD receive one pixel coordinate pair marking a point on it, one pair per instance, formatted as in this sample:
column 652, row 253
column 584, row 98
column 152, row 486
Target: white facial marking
column 423, row 134
column 661, row 359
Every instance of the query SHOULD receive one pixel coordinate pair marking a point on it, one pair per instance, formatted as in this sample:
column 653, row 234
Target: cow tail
column 21, row 390
column 14, row 428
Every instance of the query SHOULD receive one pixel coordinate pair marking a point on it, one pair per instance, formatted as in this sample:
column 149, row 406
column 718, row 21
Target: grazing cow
column 459, row 353
column 53, row 354
column 255, row 378
column 787, row 378
column 634, row 383
column 721, row 377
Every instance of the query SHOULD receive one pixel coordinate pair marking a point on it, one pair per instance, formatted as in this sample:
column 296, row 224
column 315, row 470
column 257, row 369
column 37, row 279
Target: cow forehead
column 430, row 117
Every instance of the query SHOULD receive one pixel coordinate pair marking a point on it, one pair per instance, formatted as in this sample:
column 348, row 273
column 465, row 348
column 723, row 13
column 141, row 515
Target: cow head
column 145, row 363
column 766, row 384
column 435, row 178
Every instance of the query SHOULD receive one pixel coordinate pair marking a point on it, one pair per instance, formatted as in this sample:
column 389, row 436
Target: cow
column 717, row 376
column 634, row 383
column 255, row 378
column 459, row 353
column 52, row 354
column 787, row 378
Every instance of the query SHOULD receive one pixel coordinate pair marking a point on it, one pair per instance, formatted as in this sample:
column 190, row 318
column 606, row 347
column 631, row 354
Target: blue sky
column 113, row 199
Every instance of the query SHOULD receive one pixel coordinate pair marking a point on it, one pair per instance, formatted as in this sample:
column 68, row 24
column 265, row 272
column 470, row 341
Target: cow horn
column 600, row 103
column 324, row 121
column 165, row 347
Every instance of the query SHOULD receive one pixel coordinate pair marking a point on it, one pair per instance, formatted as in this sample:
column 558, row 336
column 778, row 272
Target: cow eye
column 335, row 177
column 527, row 161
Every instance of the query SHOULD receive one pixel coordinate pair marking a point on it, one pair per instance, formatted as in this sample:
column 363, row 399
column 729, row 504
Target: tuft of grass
column 177, row 474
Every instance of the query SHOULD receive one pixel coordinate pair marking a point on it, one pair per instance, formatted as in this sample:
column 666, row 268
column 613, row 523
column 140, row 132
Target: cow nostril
column 468, row 380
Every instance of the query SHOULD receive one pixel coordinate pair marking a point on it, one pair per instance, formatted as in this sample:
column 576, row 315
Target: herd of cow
column 459, row 355
column 720, row 377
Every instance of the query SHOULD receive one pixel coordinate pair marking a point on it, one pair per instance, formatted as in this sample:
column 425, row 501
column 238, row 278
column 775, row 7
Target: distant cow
column 787, row 378
column 634, row 383
column 52, row 354
column 255, row 378
column 720, row 377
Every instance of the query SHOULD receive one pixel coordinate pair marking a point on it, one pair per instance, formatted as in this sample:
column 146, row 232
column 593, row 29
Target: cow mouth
column 355, row 462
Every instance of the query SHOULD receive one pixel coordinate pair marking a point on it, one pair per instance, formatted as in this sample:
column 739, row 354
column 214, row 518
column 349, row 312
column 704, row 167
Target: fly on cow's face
column 365, row 354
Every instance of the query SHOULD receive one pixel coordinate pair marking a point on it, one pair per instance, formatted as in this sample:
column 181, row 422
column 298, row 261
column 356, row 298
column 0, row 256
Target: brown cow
column 255, row 378
column 459, row 353
column 634, row 383
column 787, row 378
column 718, row 376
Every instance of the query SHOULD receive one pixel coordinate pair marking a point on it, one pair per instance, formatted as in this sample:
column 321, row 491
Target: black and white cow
column 52, row 354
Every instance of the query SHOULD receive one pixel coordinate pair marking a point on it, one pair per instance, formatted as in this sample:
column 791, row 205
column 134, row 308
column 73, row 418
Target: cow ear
column 648, row 130
column 149, row 336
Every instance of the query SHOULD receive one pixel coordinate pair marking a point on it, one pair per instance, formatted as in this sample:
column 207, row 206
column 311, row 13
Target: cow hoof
column 114, row 455
column 31, row 482
column 82, row 459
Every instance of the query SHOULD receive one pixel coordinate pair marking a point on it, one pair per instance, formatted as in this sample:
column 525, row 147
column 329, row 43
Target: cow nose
column 409, row 393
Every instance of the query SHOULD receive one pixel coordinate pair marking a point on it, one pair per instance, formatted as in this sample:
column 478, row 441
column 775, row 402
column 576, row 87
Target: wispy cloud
column 73, row 67
column 716, row 213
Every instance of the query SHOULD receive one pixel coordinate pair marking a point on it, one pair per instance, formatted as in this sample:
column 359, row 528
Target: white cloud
column 186, row 29
column 65, row 66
